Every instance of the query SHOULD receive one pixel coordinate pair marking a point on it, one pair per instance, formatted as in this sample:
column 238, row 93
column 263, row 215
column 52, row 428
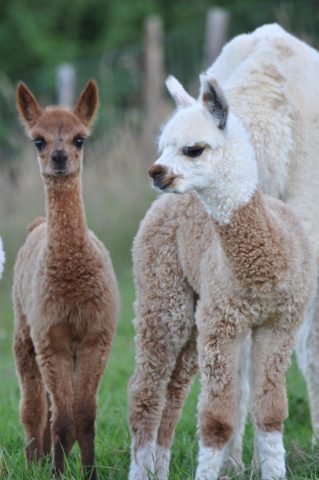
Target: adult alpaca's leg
column 33, row 404
column 271, row 352
column 91, row 358
column 163, row 326
column 177, row 389
column 307, row 350
column 55, row 359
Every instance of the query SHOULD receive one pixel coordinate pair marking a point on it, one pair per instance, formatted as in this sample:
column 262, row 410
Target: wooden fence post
column 217, row 26
column 154, row 75
column 66, row 84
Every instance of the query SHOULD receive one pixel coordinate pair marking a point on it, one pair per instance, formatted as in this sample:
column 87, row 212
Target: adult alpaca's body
column 177, row 245
column 65, row 293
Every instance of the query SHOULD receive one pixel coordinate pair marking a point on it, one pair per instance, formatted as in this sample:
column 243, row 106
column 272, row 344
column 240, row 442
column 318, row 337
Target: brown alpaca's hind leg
column 91, row 357
column 33, row 404
column 177, row 389
column 56, row 362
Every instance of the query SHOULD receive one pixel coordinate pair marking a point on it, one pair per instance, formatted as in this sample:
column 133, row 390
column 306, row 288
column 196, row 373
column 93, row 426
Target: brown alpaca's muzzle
column 59, row 162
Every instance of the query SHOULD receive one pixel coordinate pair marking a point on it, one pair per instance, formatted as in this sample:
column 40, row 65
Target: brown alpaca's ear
column 87, row 104
column 28, row 107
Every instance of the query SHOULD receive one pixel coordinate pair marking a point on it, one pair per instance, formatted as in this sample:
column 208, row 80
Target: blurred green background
column 107, row 40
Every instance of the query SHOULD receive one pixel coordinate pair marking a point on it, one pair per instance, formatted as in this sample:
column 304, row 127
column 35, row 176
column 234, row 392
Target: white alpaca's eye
column 193, row 152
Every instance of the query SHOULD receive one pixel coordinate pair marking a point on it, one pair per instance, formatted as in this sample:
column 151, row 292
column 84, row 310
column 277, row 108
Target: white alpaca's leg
column 271, row 352
column 143, row 462
column 177, row 389
column 307, row 350
column 233, row 461
column 219, row 360
column 163, row 457
column 270, row 453
column 164, row 324
column 210, row 460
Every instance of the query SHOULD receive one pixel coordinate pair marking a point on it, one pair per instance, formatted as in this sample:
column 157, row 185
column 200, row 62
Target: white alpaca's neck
column 236, row 178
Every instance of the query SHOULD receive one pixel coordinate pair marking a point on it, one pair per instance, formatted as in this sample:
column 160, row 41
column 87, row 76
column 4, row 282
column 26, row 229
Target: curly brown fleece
column 65, row 294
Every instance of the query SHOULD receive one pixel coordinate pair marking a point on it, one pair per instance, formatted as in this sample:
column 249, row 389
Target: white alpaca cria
column 224, row 264
column 207, row 150
column 2, row 257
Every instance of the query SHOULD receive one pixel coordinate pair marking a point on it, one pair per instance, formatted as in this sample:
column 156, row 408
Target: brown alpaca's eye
column 193, row 152
column 39, row 143
column 78, row 142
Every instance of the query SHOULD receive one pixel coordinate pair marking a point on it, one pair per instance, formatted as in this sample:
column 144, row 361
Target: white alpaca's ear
column 213, row 98
column 178, row 92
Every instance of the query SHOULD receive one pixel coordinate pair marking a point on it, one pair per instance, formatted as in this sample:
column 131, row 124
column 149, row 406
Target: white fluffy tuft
column 2, row 257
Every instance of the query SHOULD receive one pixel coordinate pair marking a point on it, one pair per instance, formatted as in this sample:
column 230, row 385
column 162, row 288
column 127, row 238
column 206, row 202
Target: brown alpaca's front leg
column 56, row 362
column 33, row 407
column 91, row 357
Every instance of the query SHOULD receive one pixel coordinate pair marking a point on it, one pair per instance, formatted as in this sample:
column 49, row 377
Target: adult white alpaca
column 2, row 257
column 177, row 245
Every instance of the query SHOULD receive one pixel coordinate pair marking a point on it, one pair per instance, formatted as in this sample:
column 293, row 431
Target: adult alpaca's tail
column 2, row 257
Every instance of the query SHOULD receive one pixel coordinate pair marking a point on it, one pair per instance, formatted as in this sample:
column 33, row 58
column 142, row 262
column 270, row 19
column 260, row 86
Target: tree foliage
column 35, row 34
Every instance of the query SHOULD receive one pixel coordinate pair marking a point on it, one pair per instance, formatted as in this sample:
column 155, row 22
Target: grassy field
column 115, row 205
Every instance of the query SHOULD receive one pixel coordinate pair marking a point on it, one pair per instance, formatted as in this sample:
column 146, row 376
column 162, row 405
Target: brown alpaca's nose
column 59, row 157
column 59, row 162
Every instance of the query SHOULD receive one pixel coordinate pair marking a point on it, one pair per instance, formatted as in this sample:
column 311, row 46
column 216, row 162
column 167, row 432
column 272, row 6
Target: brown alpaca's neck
column 67, row 230
column 253, row 243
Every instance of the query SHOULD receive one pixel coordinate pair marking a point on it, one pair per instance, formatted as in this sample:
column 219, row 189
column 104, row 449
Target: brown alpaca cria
column 64, row 292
